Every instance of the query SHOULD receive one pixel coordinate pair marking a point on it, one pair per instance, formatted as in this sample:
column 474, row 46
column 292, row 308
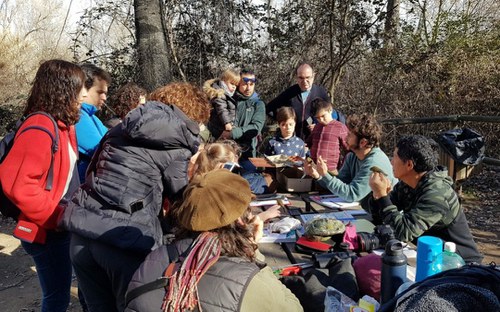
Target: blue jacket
column 89, row 132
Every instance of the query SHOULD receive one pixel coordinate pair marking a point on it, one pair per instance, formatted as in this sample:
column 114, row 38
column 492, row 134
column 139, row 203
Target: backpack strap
column 54, row 147
column 161, row 282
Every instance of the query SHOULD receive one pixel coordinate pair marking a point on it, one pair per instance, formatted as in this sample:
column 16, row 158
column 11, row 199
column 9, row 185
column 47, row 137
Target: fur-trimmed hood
column 213, row 89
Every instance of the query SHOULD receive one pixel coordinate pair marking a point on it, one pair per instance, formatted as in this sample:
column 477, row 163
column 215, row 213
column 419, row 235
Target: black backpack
column 7, row 208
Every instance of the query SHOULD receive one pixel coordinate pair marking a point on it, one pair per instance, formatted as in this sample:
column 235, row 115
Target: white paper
column 270, row 202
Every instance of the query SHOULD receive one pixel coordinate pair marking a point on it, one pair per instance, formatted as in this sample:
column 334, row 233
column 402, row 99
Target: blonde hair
column 231, row 76
column 212, row 156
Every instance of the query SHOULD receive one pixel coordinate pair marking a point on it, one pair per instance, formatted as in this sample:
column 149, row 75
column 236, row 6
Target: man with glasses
column 352, row 181
column 299, row 97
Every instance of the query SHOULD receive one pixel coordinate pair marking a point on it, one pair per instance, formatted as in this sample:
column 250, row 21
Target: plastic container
column 448, row 259
column 428, row 247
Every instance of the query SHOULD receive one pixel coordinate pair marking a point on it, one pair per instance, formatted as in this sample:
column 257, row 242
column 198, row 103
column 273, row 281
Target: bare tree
column 152, row 45
column 28, row 33
column 391, row 21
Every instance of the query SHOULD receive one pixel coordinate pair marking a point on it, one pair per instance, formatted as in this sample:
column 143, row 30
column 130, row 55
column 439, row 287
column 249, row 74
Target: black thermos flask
column 393, row 270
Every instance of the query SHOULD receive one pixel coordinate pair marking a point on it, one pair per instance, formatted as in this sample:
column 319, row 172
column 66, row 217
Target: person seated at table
column 217, row 239
column 285, row 142
column 328, row 138
column 220, row 155
column 351, row 183
column 424, row 201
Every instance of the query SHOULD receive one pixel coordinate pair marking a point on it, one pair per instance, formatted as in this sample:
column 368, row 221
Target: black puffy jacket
column 137, row 166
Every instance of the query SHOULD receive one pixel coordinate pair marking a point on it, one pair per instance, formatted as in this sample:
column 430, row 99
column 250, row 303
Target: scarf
column 226, row 89
column 182, row 292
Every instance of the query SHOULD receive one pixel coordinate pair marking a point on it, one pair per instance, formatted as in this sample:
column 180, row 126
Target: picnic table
column 284, row 254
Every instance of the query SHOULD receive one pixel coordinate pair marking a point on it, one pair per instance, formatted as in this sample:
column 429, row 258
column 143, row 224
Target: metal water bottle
column 393, row 270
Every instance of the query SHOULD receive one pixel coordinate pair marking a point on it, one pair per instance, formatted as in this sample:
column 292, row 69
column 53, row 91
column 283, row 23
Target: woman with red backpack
column 36, row 177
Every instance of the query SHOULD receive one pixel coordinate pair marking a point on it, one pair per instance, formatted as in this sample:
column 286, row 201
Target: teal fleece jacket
column 352, row 180
column 250, row 119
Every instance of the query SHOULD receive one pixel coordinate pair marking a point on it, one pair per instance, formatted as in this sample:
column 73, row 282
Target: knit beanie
column 213, row 200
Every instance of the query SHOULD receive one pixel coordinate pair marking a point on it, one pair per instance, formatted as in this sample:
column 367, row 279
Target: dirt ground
column 20, row 291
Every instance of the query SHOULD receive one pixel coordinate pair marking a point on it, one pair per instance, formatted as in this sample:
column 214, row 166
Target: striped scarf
column 182, row 292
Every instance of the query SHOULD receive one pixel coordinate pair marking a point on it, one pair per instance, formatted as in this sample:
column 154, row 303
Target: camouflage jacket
column 432, row 208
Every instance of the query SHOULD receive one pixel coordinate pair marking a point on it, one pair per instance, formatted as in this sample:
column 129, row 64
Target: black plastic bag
column 465, row 145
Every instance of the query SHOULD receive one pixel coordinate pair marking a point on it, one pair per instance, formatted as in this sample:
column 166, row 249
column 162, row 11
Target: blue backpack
column 7, row 208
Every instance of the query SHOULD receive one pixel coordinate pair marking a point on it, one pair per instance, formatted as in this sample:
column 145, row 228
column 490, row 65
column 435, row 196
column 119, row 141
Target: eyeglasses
column 247, row 80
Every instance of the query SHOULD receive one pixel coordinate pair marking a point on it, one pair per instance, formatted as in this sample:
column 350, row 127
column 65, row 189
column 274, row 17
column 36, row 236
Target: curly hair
column 213, row 155
column 126, row 98
column 56, row 89
column 190, row 99
column 366, row 127
column 422, row 151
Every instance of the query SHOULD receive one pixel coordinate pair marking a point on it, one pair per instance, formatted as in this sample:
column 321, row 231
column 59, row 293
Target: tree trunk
column 392, row 22
column 152, row 46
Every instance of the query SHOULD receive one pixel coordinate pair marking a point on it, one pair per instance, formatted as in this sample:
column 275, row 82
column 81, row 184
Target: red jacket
column 23, row 172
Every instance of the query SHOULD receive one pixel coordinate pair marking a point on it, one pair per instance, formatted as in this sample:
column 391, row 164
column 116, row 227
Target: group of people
column 117, row 191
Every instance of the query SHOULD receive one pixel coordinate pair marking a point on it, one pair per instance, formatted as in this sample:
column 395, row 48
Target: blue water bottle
column 428, row 247
column 393, row 270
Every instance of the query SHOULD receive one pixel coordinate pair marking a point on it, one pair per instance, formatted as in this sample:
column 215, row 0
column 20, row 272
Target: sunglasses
column 231, row 166
column 247, row 80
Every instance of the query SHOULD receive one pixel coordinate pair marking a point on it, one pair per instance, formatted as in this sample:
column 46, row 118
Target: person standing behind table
column 115, row 216
column 125, row 99
column 351, row 183
column 250, row 116
column 221, row 271
column 90, row 129
column 58, row 90
column 285, row 142
column 299, row 97
column 220, row 93
column 328, row 138
column 248, row 124
column 424, row 201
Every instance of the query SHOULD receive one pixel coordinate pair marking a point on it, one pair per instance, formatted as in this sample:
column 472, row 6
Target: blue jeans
column 53, row 267
column 249, row 172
